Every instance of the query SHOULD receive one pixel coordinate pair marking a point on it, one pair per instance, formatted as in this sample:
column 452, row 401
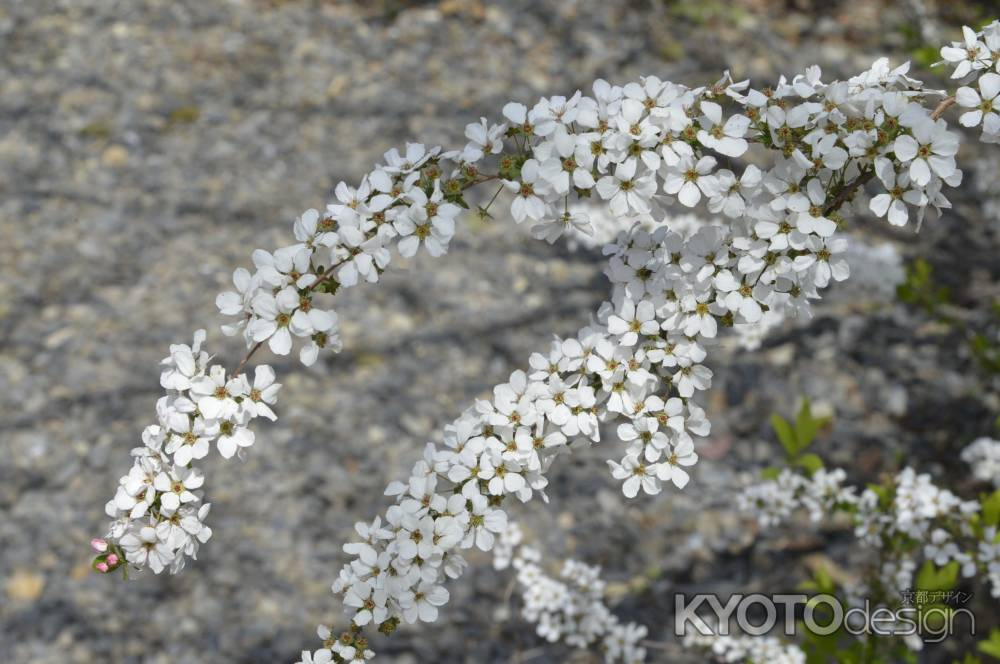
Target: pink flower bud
column 112, row 559
column 101, row 567
column 99, row 545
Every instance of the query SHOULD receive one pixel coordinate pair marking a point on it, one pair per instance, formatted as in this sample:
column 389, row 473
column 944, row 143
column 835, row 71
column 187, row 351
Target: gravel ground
column 146, row 147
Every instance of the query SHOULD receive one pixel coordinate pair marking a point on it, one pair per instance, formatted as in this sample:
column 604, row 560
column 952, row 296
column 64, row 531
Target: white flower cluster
column 157, row 510
column 983, row 457
column 918, row 506
column 637, row 148
column 875, row 267
column 935, row 522
column 732, row 649
column 500, row 448
column 569, row 608
column 774, row 501
column 977, row 57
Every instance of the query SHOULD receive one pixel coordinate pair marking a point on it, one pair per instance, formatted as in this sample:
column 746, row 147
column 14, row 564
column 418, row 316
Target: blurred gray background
column 146, row 147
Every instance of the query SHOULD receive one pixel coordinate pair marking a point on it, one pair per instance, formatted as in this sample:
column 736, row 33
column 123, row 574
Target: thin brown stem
column 246, row 358
column 847, row 192
column 942, row 107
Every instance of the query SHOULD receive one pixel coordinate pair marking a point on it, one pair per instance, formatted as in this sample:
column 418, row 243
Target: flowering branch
column 637, row 149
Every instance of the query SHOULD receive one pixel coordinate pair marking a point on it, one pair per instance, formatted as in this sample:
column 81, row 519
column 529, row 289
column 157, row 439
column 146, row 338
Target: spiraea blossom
column 902, row 523
column 636, row 150
column 158, row 514
column 983, row 457
column 569, row 607
column 731, row 649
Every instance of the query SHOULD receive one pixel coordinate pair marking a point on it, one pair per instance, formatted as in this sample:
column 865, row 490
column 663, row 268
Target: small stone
column 25, row 586
column 115, row 156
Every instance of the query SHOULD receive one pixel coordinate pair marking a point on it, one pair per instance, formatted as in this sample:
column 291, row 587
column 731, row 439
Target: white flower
column 568, row 162
column 527, row 204
column 739, row 296
column 931, row 148
column 968, row 55
column 730, row 195
column 369, row 601
column 633, row 320
column 238, row 303
column 827, row 260
column 193, row 443
column 670, row 470
column 233, row 437
column 636, row 475
column 216, row 396
column 689, row 180
column 813, row 219
column 429, row 220
column 175, row 487
column 638, row 132
column 274, row 319
column 625, row 191
column 184, row 364
column 416, row 156
column 322, row 656
column 145, row 548
column 647, row 440
column 263, row 394
column 367, row 257
column 484, row 523
column 536, row 122
column 483, row 139
column 691, row 377
column 898, row 194
column 422, row 604
column 699, row 317
column 726, row 139
column 552, row 229
column 984, row 105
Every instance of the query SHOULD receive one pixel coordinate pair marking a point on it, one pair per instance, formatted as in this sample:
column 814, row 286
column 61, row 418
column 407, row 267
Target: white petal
column 880, row 204
column 920, row 172
column 905, row 148
column 281, row 342
column 989, row 84
column 689, row 194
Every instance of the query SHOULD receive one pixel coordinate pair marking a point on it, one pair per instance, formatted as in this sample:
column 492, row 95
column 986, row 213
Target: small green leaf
column 991, row 646
column 824, row 582
column 811, row 462
column 991, row 509
column 931, row 577
column 785, row 434
column 806, row 426
column 969, row 659
column 770, row 473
